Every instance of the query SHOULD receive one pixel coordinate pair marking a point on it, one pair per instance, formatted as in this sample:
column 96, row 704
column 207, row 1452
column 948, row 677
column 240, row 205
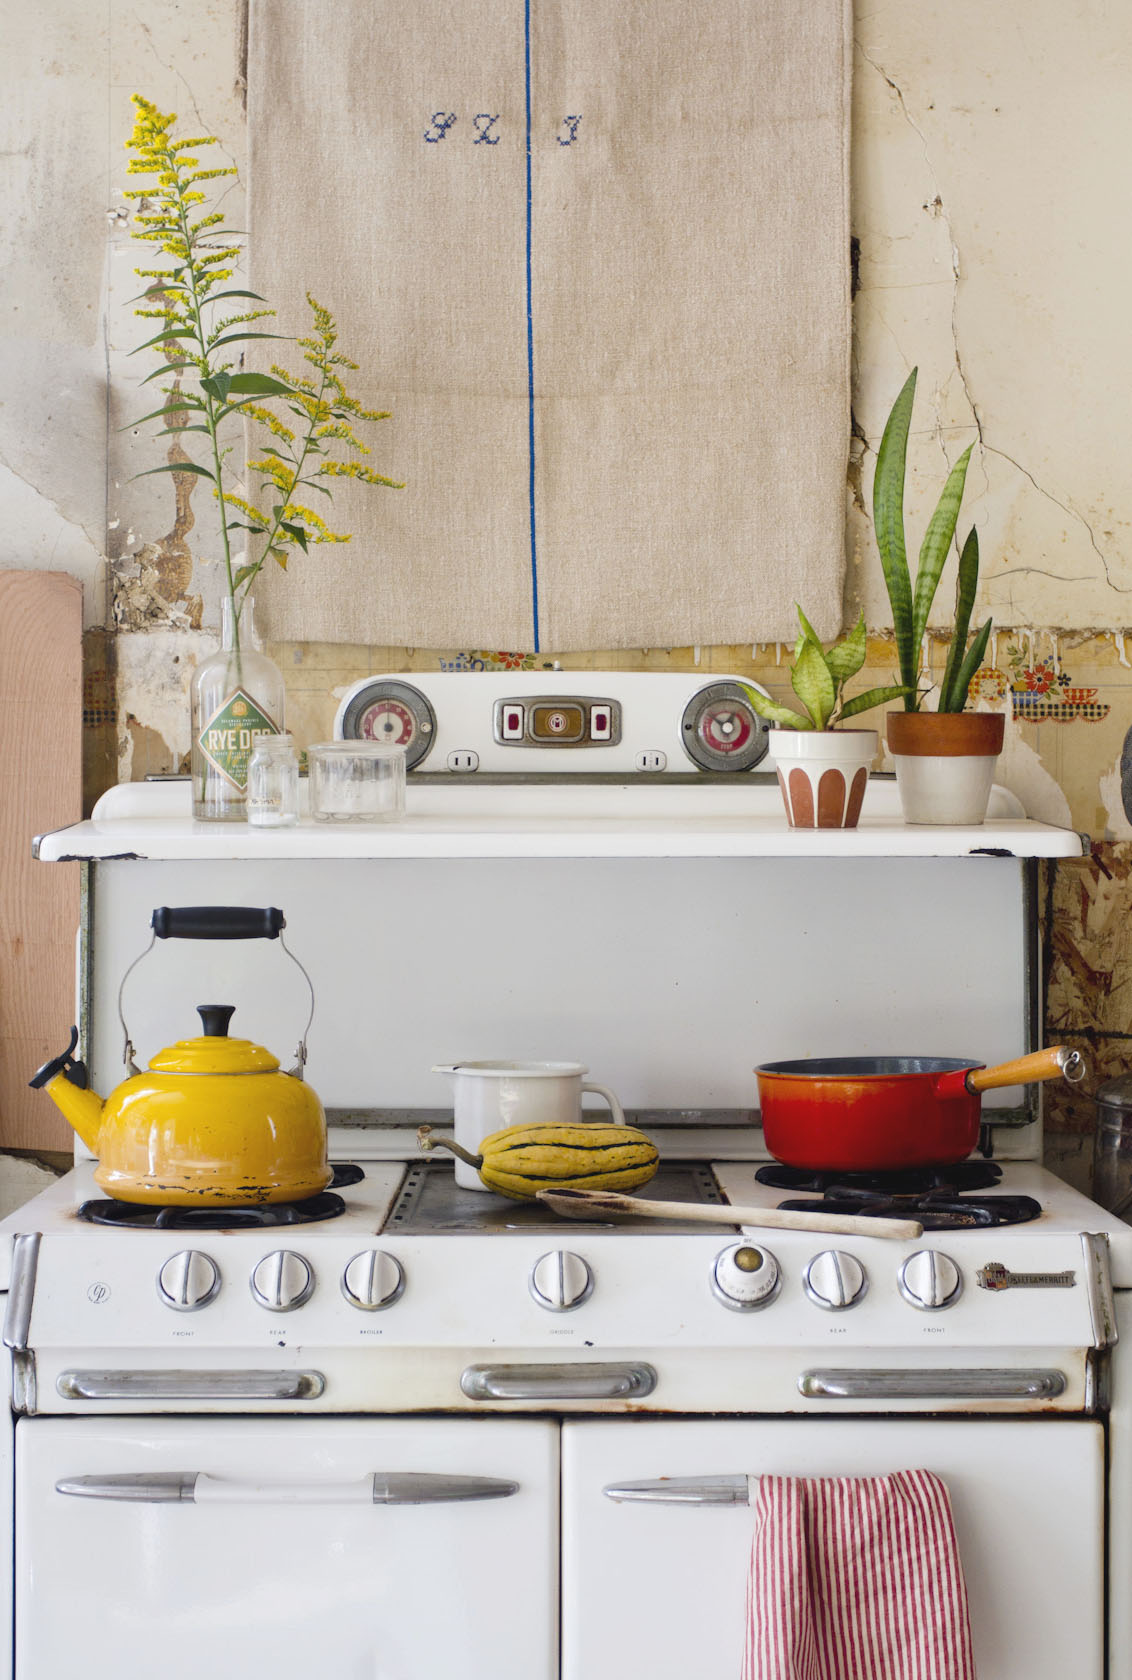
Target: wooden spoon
column 588, row 1204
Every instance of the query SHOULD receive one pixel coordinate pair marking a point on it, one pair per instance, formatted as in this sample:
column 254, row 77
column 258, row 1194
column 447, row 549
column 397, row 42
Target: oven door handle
column 683, row 1490
column 996, row 1384
column 581, row 1381
column 190, row 1385
column 395, row 1487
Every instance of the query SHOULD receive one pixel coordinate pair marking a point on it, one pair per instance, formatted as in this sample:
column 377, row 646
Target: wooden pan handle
column 1028, row 1070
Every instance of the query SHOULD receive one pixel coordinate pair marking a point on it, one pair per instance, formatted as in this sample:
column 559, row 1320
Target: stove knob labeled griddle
column 188, row 1280
column 834, row 1280
column 744, row 1277
column 373, row 1280
column 561, row 1281
column 282, row 1281
column 929, row 1280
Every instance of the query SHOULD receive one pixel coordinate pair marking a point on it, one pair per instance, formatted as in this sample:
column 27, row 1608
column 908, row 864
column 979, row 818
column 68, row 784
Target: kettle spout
column 64, row 1078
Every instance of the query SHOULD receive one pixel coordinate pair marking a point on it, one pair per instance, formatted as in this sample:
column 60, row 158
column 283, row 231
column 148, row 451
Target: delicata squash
column 522, row 1160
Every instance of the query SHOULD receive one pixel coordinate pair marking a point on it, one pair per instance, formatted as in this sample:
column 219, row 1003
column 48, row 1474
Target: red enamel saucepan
column 881, row 1113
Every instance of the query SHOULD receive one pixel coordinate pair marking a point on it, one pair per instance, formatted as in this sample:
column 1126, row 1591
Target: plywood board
column 40, row 788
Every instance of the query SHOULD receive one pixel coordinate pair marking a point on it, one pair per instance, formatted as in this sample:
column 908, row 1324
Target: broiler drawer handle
column 932, row 1385
column 190, row 1385
column 683, row 1490
column 397, row 1487
column 558, row 1382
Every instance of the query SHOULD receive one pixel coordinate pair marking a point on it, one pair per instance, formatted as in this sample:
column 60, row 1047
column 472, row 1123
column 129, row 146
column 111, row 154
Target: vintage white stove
column 448, row 1432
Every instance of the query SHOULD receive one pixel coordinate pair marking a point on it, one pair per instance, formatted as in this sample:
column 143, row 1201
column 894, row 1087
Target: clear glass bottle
column 273, row 782
column 234, row 696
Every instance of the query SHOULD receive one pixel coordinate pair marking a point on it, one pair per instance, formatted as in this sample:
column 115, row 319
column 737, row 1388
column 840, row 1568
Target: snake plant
column 910, row 606
column 818, row 676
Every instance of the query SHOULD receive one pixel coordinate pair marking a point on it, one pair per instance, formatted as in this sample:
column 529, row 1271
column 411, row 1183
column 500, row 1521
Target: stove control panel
column 549, row 722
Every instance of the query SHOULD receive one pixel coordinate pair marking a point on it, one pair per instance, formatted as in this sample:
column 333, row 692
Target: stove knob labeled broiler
column 373, row 1280
column 282, row 1281
column 561, row 1281
column 929, row 1280
column 188, row 1280
column 744, row 1277
column 834, row 1280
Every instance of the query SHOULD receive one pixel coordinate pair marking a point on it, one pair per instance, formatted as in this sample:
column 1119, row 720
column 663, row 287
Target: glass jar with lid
column 273, row 782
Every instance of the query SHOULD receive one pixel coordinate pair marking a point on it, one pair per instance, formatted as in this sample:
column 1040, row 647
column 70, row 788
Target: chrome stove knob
column 373, row 1280
column 930, row 1280
column 561, row 1281
column 834, row 1280
column 188, row 1280
column 745, row 1277
column 282, row 1281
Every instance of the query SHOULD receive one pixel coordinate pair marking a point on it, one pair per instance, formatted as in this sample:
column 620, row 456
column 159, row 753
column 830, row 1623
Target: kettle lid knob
column 215, row 1018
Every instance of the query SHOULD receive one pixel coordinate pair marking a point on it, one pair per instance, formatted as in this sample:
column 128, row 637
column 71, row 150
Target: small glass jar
column 273, row 782
column 356, row 781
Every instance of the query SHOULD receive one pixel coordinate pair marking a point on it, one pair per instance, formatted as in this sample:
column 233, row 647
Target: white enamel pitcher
column 488, row 1096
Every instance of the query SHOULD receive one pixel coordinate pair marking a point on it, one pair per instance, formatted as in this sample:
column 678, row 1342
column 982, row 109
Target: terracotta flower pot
column 822, row 774
column 945, row 763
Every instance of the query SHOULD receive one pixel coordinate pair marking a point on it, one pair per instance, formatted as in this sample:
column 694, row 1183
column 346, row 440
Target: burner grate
column 431, row 1201
column 142, row 1216
column 939, row 1197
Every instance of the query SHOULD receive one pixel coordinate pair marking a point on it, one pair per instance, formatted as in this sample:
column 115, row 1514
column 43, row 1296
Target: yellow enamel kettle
column 214, row 1122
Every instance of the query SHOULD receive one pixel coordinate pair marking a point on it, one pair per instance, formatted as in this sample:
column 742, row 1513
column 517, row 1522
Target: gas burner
column 939, row 1197
column 908, row 1181
column 146, row 1217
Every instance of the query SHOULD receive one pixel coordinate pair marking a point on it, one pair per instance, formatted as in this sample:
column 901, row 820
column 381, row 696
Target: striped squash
column 522, row 1160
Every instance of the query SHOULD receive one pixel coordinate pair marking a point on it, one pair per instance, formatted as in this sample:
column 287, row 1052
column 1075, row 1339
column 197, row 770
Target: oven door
column 386, row 1549
column 656, row 1588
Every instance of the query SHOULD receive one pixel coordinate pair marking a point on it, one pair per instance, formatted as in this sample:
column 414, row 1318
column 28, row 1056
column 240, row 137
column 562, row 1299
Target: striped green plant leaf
column 814, row 684
column 888, row 522
column 871, row 697
column 976, row 653
column 936, row 543
column 846, row 658
column 774, row 713
column 965, row 587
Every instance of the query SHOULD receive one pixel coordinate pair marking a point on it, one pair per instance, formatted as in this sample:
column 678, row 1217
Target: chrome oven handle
column 558, row 1382
column 682, row 1490
column 932, row 1385
column 395, row 1487
column 190, row 1385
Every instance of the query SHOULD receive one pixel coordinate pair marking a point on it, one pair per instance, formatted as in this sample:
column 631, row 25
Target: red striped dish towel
column 856, row 1578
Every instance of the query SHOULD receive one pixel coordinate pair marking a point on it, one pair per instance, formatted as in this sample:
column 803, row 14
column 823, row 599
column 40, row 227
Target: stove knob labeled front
column 744, row 1277
column 282, row 1281
column 373, row 1280
column 929, row 1280
column 188, row 1280
column 561, row 1281
column 834, row 1280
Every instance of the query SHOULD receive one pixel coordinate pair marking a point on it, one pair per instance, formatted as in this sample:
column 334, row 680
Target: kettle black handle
column 216, row 921
column 67, row 1064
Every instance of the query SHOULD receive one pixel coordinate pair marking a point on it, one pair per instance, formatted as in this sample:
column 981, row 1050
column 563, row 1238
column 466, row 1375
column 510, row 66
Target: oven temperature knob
column 188, row 1280
column 929, row 1280
column 834, row 1280
column 745, row 1277
column 561, row 1281
column 373, row 1280
column 282, row 1281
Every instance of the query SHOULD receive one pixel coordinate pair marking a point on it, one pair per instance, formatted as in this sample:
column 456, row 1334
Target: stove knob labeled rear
column 930, row 1280
column 744, row 1277
column 834, row 1280
column 373, row 1280
column 561, row 1281
column 282, row 1281
column 188, row 1280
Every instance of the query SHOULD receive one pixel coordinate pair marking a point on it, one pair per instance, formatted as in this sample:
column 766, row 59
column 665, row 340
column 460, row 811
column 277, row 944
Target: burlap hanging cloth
column 595, row 259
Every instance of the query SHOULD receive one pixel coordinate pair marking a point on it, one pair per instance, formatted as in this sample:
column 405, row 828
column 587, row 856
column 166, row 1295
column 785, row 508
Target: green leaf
column 166, row 370
column 216, row 384
column 191, row 402
column 258, row 384
column 243, row 574
column 888, row 522
column 242, row 525
column 871, row 697
column 279, row 555
column 176, row 431
column 773, row 712
column 976, row 653
column 936, row 543
column 161, row 337
column 240, row 338
column 965, row 587
column 846, row 657
column 179, row 467
column 297, row 534
column 809, row 634
column 218, row 297
column 814, row 684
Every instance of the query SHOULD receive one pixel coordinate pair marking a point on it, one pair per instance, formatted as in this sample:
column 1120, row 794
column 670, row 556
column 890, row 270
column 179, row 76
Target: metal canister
column 1112, row 1160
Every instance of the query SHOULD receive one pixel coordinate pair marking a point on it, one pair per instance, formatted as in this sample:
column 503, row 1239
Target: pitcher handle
column 614, row 1105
